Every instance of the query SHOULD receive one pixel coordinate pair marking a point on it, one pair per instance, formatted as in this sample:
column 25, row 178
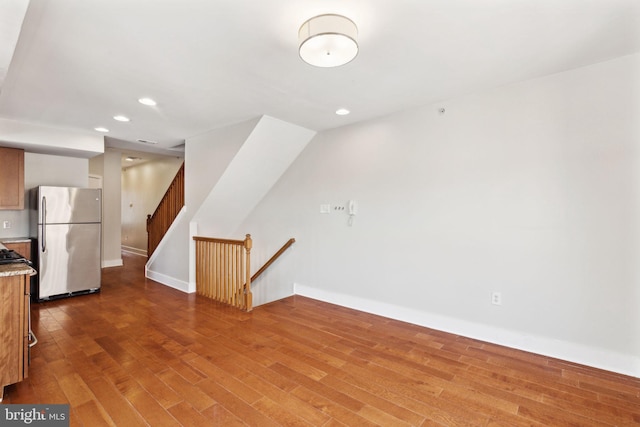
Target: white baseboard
column 112, row 263
column 163, row 279
column 132, row 250
column 572, row 352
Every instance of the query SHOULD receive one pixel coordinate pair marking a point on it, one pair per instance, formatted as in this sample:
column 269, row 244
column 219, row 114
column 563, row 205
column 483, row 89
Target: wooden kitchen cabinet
column 11, row 178
column 14, row 329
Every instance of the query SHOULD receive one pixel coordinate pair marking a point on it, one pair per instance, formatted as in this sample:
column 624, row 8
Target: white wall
column 227, row 173
column 264, row 156
column 143, row 187
column 530, row 189
column 206, row 158
column 108, row 166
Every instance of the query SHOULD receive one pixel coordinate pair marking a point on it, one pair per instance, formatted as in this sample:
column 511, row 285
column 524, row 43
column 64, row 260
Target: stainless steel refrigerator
column 66, row 223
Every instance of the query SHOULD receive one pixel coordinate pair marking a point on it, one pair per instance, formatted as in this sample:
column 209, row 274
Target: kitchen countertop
column 14, row 240
column 16, row 269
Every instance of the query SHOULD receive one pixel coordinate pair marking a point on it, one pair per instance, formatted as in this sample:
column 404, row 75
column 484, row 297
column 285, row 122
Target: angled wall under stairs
column 227, row 172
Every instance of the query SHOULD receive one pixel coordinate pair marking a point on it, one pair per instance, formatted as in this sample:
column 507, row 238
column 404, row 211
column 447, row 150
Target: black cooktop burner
column 9, row 256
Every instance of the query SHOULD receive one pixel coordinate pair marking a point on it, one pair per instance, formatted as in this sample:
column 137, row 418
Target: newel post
column 149, row 244
column 248, row 244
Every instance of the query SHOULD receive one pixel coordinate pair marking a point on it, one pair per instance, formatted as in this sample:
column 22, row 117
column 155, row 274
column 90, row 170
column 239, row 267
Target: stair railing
column 159, row 222
column 223, row 270
column 273, row 259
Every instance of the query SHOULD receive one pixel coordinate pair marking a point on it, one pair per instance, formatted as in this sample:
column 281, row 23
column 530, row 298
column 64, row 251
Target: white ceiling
column 210, row 63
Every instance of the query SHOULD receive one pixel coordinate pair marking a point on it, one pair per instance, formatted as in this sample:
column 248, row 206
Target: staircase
column 232, row 169
column 159, row 222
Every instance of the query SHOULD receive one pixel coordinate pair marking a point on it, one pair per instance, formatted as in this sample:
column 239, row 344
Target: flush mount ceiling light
column 328, row 40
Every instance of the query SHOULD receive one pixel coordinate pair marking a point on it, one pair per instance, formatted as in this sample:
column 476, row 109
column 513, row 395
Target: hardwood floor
column 140, row 353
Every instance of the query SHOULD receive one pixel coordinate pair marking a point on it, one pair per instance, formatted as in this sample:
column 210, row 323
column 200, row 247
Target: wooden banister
column 273, row 258
column 159, row 222
column 223, row 270
column 217, row 240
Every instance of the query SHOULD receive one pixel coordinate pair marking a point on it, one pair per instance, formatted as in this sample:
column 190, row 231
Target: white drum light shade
column 328, row 40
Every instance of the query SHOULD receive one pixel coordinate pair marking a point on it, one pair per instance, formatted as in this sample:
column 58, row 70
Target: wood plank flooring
column 140, row 353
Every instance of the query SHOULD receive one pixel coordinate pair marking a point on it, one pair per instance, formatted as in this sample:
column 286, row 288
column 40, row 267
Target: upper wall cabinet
column 11, row 178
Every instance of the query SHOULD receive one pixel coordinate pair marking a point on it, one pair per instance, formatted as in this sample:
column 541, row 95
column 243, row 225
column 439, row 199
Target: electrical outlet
column 6, row 224
column 496, row 298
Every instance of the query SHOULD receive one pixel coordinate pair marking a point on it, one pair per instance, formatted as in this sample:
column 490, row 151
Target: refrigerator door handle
column 44, row 222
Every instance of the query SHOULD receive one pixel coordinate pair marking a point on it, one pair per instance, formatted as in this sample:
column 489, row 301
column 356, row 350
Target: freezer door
column 62, row 205
column 69, row 258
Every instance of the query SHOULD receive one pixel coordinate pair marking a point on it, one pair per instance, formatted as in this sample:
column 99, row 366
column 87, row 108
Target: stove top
column 9, row 256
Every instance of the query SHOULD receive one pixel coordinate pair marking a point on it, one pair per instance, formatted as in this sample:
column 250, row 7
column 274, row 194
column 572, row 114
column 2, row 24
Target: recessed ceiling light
column 101, row 129
column 147, row 101
column 121, row 118
column 342, row 111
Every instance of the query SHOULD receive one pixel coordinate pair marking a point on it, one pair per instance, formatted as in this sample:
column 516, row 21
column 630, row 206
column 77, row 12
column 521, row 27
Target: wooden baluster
column 227, row 277
column 148, row 236
column 231, row 276
column 205, row 258
column 248, row 244
column 223, row 270
column 223, row 279
column 214, row 265
column 202, row 258
column 214, row 272
column 199, row 267
column 217, row 271
column 211, row 261
column 237, row 290
column 234, row 269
